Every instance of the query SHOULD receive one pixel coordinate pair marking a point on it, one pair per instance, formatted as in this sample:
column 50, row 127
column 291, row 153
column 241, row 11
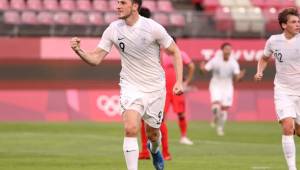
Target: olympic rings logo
column 109, row 104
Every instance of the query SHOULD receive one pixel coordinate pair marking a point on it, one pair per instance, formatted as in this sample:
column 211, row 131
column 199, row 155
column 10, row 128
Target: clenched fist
column 75, row 43
column 258, row 76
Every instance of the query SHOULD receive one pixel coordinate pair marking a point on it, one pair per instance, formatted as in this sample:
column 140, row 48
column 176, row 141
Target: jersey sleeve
column 185, row 58
column 236, row 68
column 161, row 35
column 268, row 50
column 106, row 39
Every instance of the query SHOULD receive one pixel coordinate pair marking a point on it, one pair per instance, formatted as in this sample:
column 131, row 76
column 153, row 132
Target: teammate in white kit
column 224, row 69
column 285, row 48
column 142, row 80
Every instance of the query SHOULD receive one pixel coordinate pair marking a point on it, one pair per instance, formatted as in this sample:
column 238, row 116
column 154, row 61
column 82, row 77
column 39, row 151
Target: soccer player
column 176, row 101
column 142, row 80
column 224, row 70
column 286, row 50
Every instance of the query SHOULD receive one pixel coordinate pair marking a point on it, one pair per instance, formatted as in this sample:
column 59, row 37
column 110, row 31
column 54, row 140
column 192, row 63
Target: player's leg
column 216, row 110
column 286, row 113
column 215, row 97
column 144, row 154
column 164, row 141
column 222, row 118
column 131, row 119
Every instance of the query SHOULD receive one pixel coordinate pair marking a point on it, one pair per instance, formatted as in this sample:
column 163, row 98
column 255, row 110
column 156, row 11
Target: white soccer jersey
column 139, row 46
column 222, row 71
column 287, row 54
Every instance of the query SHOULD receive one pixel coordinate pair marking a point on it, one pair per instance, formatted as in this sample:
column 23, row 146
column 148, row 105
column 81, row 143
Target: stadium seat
column 100, row 5
column 177, row 19
column 68, row 5
column 34, row 4
column 62, row 18
column 45, row 18
column 84, row 5
column 243, row 3
column 241, row 19
column 95, row 18
column 150, row 4
column 110, row 17
column 227, row 3
column 165, row 6
column 223, row 19
column 161, row 18
column 271, row 23
column 28, row 17
column 256, row 18
column 51, row 5
column 4, row 5
column 112, row 5
column 17, row 4
column 11, row 17
column 210, row 6
column 297, row 3
column 79, row 18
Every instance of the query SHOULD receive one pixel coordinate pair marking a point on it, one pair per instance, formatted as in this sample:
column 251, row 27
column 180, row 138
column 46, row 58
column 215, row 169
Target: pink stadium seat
column 4, row 5
column 28, row 17
column 51, row 5
column 11, row 17
column 211, row 5
column 165, row 6
column 84, row 5
column 34, row 4
column 177, row 19
column 223, row 19
column 95, row 18
column 68, row 5
column 45, row 18
column 150, row 4
column 62, row 18
column 112, row 5
column 271, row 23
column 17, row 4
column 161, row 18
column 110, row 17
column 100, row 5
column 79, row 18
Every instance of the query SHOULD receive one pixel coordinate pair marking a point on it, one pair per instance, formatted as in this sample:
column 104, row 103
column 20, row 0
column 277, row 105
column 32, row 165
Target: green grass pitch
column 98, row 146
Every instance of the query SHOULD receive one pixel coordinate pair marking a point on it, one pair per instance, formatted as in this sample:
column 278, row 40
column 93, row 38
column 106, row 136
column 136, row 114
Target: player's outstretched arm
column 173, row 51
column 93, row 58
column 261, row 66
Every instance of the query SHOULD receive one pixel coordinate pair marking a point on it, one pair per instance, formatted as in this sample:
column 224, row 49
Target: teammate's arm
column 93, row 58
column 173, row 51
column 261, row 66
column 202, row 67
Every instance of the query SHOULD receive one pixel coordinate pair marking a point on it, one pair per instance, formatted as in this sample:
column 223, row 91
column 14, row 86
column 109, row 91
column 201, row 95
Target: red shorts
column 177, row 102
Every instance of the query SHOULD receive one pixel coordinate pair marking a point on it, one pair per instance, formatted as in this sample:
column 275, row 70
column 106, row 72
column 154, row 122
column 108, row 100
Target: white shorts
column 150, row 105
column 287, row 106
column 222, row 94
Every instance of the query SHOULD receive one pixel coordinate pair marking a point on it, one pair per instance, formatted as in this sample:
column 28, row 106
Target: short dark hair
column 283, row 15
column 145, row 12
column 139, row 2
column 225, row 44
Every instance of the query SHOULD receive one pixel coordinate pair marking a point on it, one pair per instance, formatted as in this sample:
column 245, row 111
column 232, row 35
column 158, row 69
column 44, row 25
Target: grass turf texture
column 98, row 146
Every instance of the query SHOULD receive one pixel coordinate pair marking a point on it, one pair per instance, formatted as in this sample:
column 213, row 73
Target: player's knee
column 131, row 130
column 181, row 116
column 288, row 130
column 153, row 136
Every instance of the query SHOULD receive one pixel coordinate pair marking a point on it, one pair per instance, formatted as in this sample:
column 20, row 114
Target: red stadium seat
column 45, row 18
column 34, row 4
column 100, row 5
column 165, row 6
column 110, row 17
column 79, row 18
column 210, row 6
column 51, row 5
column 28, row 17
column 62, row 18
column 84, row 5
column 177, row 19
column 17, row 4
column 11, row 17
column 68, row 5
column 161, row 18
column 223, row 19
column 150, row 4
column 4, row 5
column 96, row 18
column 112, row 5
column 271, row 23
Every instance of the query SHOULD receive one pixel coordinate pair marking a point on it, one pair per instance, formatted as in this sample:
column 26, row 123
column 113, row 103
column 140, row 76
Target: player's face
column 227, row 51
column 293, row 25
column 125, row 8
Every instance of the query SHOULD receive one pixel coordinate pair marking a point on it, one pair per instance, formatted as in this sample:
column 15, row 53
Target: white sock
column 289, row 151
column 131, row 152
column 154, row 146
